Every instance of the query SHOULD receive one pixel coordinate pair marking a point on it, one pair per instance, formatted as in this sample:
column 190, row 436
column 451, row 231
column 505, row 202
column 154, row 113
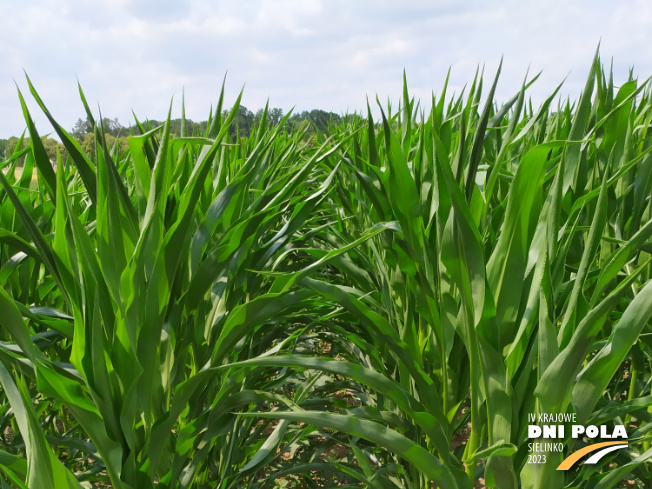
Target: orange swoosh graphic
column 575, row 456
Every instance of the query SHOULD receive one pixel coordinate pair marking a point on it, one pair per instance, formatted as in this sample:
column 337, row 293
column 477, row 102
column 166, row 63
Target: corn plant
column 133, row 272
column 513, row 278
column 381, row 304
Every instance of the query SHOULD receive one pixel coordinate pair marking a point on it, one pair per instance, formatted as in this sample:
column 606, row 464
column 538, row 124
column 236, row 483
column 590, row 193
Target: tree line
column 312, row 121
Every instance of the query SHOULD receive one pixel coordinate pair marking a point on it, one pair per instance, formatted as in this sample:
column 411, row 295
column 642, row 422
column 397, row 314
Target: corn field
column 381, row 305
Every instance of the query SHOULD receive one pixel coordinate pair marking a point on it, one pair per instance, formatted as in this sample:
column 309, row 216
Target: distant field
column 19, row 173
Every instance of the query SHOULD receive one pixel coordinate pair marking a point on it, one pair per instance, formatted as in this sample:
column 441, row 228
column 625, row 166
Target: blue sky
column 137, row 55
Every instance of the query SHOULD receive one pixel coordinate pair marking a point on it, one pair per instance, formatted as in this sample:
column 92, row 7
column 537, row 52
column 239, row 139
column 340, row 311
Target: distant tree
column 10, row 148
column 51, row 148
column 242, row 123
column 317, row 119
column 88, row 144
column 81, row 128
column 112, row 126
column 275, row 115
column 121, row 143
column 12, row 142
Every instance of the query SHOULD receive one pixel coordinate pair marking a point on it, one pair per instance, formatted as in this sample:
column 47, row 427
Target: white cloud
column 304, row 53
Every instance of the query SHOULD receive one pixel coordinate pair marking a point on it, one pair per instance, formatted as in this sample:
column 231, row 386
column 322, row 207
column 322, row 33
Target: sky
column 138, row 55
